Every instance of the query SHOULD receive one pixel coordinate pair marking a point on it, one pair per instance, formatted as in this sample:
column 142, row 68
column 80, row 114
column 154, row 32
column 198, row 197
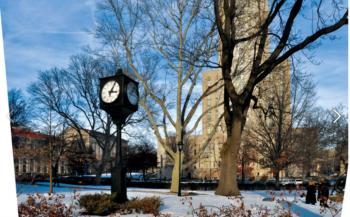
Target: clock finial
column 119, row 71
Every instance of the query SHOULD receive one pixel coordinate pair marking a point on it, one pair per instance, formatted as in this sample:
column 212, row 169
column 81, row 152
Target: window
column 31, row 165
column 209, row 128
column 209, row 117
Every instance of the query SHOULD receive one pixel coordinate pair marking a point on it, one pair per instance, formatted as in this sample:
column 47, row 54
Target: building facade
column 93, row 141
column 30, row 151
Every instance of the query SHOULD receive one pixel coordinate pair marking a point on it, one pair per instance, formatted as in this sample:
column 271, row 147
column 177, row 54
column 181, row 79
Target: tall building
column 264, row 91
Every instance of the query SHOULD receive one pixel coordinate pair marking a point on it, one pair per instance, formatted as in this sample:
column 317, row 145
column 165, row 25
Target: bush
column 339, row 197
column 237, row 208
column 97, row 204
column 51, row 205
column 147, row 205
column 102, row 204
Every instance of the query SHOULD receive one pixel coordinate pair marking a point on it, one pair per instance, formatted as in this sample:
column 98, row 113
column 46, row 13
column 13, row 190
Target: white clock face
column 110, row 91
column 131, row 92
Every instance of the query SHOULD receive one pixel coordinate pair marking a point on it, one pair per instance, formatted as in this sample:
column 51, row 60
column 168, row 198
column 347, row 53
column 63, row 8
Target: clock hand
column 111, row 90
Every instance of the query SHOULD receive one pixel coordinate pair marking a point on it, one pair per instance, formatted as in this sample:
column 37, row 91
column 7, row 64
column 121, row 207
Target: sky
column 40, row 34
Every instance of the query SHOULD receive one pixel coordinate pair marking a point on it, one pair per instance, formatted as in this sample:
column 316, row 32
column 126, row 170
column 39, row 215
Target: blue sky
column 39, row 34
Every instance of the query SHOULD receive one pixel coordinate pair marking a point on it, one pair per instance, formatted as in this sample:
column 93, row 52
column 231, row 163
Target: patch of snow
column 184, row 206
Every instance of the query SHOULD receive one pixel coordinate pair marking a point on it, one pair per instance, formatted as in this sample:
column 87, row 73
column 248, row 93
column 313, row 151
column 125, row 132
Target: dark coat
column 323, row 194
column 311, row 194
column 323, row 191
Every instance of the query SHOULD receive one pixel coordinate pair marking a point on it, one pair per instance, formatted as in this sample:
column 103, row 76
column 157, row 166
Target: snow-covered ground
column 184, row 206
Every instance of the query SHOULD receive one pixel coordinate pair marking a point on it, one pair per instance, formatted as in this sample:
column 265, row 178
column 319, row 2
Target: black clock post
column 119, row 98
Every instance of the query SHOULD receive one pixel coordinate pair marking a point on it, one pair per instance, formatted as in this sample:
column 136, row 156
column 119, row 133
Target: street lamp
column 180, row 147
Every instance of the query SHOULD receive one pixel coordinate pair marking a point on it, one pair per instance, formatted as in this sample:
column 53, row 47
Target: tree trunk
column 286, row 171
column 308, row 173
column 277, row 177
column 175, row 178
column 101, row 165
column 99, row 171
column 54, row 173
column 243, row 172
column 50, row 175
column 229, row 154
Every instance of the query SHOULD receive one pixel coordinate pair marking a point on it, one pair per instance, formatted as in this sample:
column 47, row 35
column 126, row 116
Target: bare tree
column 322, row 141
column 162, row 42
column 57, row 150
column 141, row 157
column 246, row 156
column 73, row 94
column 47, row 121
column 309, row 140
column 273, row 36
column 285, row 105
column 341, row 142
column 335, row 136
column 19, row 111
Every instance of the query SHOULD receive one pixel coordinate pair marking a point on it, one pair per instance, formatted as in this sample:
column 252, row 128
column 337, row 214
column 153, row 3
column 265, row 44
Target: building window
column 31, row 165
column 209, row 129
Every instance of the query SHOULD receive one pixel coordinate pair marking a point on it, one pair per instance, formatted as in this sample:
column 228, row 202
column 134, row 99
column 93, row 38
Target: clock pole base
column 118, row 185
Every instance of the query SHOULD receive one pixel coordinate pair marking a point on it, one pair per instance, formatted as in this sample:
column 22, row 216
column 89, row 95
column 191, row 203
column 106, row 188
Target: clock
column 119, row 96
column 110, row 91
column 132, row 93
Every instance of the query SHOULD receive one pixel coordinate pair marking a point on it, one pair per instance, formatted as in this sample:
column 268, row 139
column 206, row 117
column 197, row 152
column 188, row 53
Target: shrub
column 339, row 197
column 237, row 208
column 147, row 205
column 102, row 204
column 51, row 205
column 97, row 204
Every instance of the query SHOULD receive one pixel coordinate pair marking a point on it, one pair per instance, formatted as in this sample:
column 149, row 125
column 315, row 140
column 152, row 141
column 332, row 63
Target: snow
column 184, row 206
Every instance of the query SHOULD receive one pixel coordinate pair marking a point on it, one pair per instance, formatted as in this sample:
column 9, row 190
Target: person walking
column 311, row 193
column 323, row 193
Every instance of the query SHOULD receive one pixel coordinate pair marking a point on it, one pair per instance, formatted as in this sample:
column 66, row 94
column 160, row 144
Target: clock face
column 110, row 91
column 131, row 92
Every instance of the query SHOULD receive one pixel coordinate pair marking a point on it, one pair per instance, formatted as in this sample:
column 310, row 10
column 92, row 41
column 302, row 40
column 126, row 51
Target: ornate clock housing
column 119, row 96
column 132, row 93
